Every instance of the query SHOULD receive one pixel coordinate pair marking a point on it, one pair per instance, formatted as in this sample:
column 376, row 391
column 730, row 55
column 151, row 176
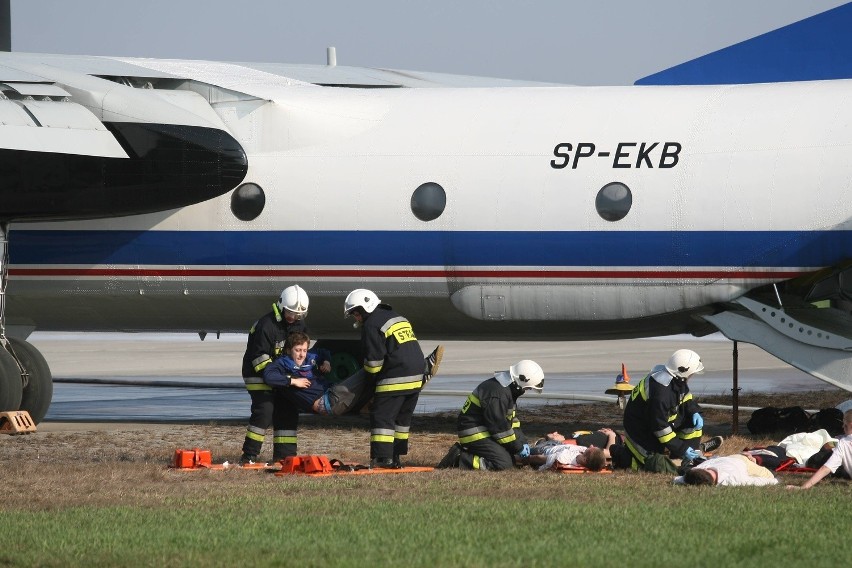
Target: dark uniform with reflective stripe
column 488, row 427
column 393, row 361
column 658, row 417
column 265, row 342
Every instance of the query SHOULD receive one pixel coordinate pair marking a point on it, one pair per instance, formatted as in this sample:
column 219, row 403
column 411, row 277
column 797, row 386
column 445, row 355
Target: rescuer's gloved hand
column 525, row 451
column 691, row 454
column 697, row 421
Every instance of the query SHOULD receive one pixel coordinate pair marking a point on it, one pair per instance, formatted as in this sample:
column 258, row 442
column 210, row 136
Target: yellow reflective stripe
column 507, row 439
column 473, row 437
column 276, row 311
column 643, row 388
column 372, row 370
column 402, row 386
column 637, row 452
column 476, row 464
column 667, row 438
column 672, row 418
column 252, row 436
column 400, row 435
column 381, row 438
column 690, row 435
column 261, row 362
column 284, row 439
column 516, row 424
column 688, row 397
column 258, row 387
column 471, row 399
column 401, row 331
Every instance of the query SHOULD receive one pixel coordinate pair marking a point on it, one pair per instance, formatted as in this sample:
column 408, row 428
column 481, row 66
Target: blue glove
column 691, row 453
column 525, row 451
column 697, row 421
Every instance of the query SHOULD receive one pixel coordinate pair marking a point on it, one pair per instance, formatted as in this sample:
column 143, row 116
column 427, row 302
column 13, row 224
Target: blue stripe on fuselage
column 434, row 248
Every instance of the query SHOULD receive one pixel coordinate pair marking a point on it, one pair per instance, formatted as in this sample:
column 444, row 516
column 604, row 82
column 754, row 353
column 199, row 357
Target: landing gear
column 38, row 392
column 25, row 379
column 11, row 387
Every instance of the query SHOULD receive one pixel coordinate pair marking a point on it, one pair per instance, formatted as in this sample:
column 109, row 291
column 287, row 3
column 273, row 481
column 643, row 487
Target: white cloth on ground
column 803, row 445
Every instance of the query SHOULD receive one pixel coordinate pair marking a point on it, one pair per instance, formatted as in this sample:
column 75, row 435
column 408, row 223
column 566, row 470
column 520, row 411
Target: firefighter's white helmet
column 294, row 300
column 527, row 375
column 360, row 298
column 684, row 363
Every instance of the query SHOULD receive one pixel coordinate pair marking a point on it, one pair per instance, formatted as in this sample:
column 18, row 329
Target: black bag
column 830, row 419
column 771, row 420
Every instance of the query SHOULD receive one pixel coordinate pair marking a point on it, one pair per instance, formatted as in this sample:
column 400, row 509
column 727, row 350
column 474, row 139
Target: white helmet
column 294, row 300
column 527, row 374
column 360, row 298
column 684, row 363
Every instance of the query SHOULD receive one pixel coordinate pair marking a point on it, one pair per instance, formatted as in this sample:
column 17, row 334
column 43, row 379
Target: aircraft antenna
column 331, row 56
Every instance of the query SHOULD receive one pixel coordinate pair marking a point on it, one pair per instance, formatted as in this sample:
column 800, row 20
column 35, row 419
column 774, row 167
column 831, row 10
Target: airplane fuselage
column 710, row 192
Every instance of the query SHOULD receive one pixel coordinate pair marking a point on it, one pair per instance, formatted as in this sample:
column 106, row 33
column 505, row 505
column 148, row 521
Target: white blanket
column 803, row 445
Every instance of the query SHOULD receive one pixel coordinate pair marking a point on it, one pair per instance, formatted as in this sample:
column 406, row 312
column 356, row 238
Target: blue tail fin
column 819, row 47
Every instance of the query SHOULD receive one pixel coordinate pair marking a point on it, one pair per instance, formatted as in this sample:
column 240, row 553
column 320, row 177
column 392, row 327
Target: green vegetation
column 444, row 518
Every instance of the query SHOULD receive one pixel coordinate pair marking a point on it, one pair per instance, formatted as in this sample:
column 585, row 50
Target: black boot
column 383, row 463
column 452, row 457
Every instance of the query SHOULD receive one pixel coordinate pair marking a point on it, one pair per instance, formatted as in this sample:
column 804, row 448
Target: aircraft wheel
column 11, row 389
column 39, row 392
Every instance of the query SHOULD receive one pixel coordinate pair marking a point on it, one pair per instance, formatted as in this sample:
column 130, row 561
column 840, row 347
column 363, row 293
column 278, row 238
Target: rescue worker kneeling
column 488, row 428
column 662, row 417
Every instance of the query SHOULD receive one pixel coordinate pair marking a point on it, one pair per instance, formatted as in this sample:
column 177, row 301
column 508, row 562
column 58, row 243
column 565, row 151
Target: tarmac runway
column 186, row 379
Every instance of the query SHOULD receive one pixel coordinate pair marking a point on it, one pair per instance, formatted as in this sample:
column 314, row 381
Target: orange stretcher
column 195, row 459
column 578, row 469
column 321, row 466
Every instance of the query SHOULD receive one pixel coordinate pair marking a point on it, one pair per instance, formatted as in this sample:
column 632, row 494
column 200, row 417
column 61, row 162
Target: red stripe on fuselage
column 407, row 273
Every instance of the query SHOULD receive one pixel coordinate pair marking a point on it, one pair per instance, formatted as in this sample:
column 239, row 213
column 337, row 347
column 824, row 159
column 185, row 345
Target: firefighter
column 394, row 369
column 265, row 342
column 489, row 430
column 661, row 416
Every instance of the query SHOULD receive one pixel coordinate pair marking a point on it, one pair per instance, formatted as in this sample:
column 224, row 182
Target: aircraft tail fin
column 816, row 48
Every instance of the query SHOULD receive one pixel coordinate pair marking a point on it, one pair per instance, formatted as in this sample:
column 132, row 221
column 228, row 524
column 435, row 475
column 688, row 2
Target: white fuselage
column 732, row 187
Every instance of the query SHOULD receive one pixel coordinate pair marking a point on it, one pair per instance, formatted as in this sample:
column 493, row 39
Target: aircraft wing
column 74, row 145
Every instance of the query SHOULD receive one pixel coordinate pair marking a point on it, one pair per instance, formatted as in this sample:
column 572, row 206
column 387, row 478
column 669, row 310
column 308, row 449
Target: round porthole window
column 428, row 201
column 614, row 201
column 247, row 201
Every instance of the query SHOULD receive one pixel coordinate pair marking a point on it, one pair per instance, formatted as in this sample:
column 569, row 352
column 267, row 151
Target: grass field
column 107, row 498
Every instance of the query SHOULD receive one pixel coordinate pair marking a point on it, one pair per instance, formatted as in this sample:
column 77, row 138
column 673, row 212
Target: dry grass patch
column 128, row 465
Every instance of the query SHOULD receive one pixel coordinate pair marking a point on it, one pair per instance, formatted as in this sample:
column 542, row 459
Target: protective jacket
column 490, row 412
column 392, row 356
column 658, row 415
column 280, row 372
column 265, row 342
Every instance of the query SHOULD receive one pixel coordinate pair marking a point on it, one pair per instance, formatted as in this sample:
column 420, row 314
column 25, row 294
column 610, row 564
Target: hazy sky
column 566, row 41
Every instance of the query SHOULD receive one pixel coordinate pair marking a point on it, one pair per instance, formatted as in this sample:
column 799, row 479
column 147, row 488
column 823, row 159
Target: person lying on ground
column 840, row 456
column 735, row 470
column 555, row 450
